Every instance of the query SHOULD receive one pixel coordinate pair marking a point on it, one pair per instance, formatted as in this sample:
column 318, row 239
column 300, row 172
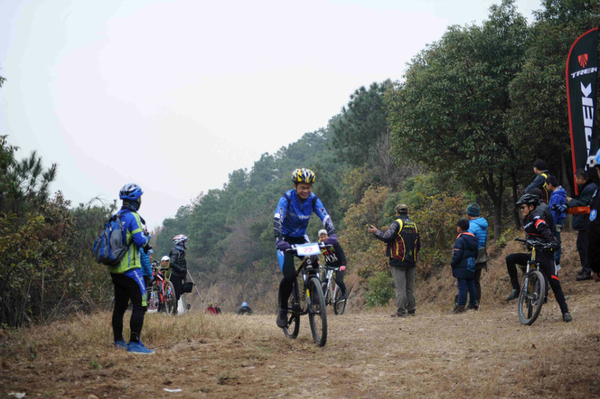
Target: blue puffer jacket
column 478, row 227
column 146, row 267
column 465, row 247
column 558, row 197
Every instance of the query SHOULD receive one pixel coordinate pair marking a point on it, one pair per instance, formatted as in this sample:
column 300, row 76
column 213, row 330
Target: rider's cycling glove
column 283, row 245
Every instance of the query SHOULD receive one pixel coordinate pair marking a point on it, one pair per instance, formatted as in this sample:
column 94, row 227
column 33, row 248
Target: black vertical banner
column 582, row 78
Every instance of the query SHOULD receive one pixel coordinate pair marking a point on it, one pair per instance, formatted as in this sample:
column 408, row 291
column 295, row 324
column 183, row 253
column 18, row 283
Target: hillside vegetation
column 473, row 112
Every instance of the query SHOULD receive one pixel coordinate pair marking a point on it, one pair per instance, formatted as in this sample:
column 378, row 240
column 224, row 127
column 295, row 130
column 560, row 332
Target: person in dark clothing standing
column 178, row 264
column 537, row 229
column 403, row 245
column 335, row 257
column 478, row 226
column 463, row 265
column 587, row 188
column 541, row 171
column 594, row 230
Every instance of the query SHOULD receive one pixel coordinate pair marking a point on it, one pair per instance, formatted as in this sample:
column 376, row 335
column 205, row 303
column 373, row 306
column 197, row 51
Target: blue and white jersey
column 292, row 215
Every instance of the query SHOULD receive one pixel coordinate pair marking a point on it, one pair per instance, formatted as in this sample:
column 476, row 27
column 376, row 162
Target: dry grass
column 369, row 354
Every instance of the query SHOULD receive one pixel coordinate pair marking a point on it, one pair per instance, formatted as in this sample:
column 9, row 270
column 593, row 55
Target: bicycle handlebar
column 534, row 243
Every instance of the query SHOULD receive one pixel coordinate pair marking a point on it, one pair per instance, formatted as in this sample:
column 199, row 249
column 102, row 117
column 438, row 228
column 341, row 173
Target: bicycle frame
column 330, row 283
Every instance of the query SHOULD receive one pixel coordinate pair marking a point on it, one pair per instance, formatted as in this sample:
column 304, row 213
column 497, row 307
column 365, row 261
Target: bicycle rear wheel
column 170, row 298
column 531, row 298
column 293, row 324
column 339, row 302
column 317, row 315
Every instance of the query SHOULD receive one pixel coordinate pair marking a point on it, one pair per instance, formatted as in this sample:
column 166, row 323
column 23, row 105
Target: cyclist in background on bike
column 291, row 219
column 335, row 257
column 127, row 276
column 164, row 264
column 537, row 229
column 178, row 265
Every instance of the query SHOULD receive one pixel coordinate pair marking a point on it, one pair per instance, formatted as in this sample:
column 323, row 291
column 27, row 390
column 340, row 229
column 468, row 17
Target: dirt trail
column 477, row 354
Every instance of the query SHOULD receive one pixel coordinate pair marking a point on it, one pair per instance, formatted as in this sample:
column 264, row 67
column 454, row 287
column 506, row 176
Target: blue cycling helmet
column 244, row 304
column 131, row 192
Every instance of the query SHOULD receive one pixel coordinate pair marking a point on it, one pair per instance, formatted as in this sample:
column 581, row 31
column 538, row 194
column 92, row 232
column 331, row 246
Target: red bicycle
column 162, row 296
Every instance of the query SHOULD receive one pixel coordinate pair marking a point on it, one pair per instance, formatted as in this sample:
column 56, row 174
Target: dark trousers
column 466, row 285
column 559, row 252
column 126, row 289
column 339, row 280
column 511, row 261
column 582, row 248
column 478, row 270
column 177, row 284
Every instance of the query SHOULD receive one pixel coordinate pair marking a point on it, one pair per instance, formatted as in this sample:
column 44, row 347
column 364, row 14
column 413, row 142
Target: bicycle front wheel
column 339, row 301
column 170, row 298
column 532, row 297
column 317, row 315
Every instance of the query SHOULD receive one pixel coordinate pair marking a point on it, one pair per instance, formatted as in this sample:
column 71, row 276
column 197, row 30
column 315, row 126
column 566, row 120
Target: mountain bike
column 312, row 301
column 533, row 289
column 162, row 293
column 332, row 291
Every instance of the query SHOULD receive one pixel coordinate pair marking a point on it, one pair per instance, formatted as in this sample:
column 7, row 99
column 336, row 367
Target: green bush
column 380, row 289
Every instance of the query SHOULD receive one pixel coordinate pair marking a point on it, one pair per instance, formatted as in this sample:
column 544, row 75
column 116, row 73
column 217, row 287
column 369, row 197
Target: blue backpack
column 109, row 248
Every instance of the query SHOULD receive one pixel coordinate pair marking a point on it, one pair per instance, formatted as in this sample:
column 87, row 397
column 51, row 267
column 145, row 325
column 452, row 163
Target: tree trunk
column 515, row 211
column 564, row 181
column 495, row 194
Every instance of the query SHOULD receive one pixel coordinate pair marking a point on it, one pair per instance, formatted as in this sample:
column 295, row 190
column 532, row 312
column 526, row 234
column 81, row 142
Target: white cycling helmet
column 165, row 259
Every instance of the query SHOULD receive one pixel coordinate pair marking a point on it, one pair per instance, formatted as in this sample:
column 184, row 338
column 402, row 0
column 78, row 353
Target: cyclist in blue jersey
column 127, row 276
column 290, row 222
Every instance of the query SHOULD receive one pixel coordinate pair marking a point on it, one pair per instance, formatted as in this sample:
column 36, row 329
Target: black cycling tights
column 127, row 288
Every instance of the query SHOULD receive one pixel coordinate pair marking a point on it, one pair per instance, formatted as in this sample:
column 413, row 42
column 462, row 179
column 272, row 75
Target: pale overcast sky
column 175, row 95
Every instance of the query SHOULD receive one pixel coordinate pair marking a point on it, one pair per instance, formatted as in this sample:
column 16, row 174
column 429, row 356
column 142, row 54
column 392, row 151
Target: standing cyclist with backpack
column 290, row 222
column 127, row 276
column 178, row 265
column 403, row 245
column 541, row 172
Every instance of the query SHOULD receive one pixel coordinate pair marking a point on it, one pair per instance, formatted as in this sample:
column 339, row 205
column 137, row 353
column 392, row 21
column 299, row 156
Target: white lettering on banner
column 588, row 115
column 584, row 72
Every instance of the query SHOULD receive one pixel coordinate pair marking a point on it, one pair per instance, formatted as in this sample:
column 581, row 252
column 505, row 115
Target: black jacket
column 580, row 222
column 594, row 234
column 537, row 228
column 465, row 247
column 178, row 263
column 334, row 256
column 548, row 218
